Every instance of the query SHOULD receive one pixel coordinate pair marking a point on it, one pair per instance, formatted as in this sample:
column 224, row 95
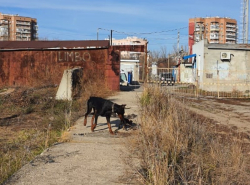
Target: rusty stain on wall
column 39, row 66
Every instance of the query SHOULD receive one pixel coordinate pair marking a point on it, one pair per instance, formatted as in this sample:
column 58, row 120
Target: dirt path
column 89, row 158
column 231, row 112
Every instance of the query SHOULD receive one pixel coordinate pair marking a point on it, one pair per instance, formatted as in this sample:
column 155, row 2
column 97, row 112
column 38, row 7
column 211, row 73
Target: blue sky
column 157, row 21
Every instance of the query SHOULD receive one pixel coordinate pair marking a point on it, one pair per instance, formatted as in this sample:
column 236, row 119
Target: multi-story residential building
column 17, row 28
column 214, row 29
column 129, row 41
column 132, row 62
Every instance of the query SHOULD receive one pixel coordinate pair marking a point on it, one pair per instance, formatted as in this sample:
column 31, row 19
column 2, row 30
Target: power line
column 144, row 33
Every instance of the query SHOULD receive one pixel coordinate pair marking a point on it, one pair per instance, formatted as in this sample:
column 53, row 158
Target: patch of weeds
column 29, row 110
column 36, row 133
column 177, row 146
column 3, row 90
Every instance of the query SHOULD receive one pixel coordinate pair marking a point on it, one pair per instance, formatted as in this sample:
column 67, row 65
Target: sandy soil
column 89, row 158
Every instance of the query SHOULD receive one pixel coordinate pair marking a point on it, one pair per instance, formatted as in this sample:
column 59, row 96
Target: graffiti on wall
column 73, row 56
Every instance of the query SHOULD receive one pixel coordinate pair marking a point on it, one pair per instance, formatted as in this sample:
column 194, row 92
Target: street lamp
column 98, row 32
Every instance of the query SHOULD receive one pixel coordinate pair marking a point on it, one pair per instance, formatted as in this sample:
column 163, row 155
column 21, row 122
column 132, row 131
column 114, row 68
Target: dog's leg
column 89, row 107
column 109, row 125
column 92, row 125
column 85, row 119
column 94, row 117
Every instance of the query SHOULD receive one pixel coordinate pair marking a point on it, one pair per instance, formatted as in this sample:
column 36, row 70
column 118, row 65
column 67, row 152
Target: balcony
column 198, row 29
column 22, row 23
column 3, row 28
column 24, row 27
column 4, row 22
column 230, row 38
column 214, row 28
column 130, row 56
column 35, row 27
column 22, row 31
column 230, row 30
column 231, row 34
column 4, row 34
column 26, row 31
column 214, row 36
column 214, row 41
column 230, row 25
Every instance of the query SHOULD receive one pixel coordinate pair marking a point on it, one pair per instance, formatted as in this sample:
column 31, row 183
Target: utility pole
column 146, row 63
column 168, row 62
column 98, row 33
column 178, row 41
column 111, row 37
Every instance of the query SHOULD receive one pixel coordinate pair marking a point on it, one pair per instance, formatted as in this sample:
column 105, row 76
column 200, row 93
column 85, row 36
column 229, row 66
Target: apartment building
column 219, row 30
column 131, row 62
column 17, row 28
column 129, row 41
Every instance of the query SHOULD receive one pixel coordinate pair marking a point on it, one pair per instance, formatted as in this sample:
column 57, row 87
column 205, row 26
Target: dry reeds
column 176, row 146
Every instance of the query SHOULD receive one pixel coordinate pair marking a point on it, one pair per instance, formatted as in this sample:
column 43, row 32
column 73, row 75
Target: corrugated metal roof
column 43, row 45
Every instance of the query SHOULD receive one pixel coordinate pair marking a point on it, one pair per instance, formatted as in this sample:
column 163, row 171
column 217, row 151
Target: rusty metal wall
column 41, row 67
column 36, row 68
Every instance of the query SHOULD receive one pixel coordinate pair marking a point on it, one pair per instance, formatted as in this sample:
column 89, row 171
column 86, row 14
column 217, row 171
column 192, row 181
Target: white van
column 123, row 79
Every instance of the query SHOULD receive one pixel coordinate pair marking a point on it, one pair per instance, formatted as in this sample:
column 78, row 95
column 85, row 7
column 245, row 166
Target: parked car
column 123, row 79
column 166, row 78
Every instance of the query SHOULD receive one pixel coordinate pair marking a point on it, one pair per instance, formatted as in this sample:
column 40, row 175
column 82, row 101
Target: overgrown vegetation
column 176, row 146
column 32, row 119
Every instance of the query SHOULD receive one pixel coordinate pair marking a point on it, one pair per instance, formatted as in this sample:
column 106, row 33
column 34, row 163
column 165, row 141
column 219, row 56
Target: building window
column 209, row 75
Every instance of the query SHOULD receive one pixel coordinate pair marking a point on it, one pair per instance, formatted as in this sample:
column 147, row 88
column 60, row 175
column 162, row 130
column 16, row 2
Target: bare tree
column 154, row 57
column 163, row 52
column 165, row 59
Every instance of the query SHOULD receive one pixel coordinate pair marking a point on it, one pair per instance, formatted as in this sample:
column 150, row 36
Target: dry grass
column 176, row 146
column 32, row 119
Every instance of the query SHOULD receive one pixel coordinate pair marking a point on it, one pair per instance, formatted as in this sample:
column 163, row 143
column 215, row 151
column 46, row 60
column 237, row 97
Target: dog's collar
column 113, row 105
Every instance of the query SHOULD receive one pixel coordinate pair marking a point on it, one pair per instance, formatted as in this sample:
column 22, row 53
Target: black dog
column 105, row 108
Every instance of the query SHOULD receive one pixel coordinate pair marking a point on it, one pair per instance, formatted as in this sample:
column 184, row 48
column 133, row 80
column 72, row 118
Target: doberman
column 105, row 108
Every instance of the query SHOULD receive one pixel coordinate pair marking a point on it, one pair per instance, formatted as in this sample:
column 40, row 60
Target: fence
column 188, row 81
